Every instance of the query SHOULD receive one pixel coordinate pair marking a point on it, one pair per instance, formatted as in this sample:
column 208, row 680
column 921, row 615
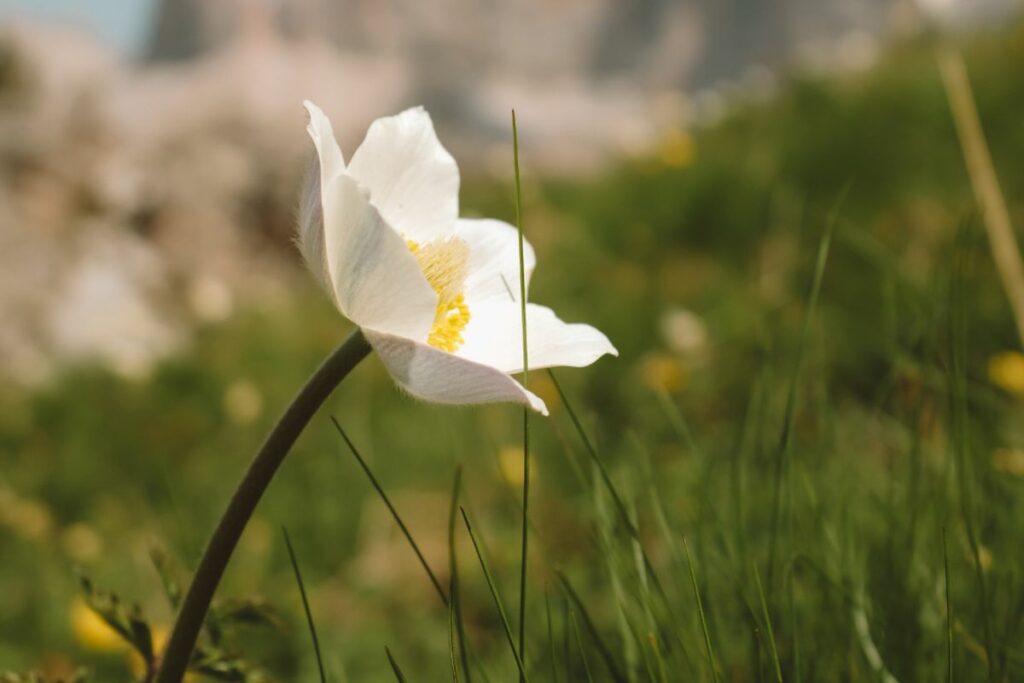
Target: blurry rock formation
column 140, row 199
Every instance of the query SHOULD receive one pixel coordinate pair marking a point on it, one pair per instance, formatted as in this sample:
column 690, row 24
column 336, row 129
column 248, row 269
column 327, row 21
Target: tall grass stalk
column 794, row 626
column 623, row 512
column 786, row 438
column 768, row 624
column 595, row 635
column 984, row 180
column 495, row 596
column 526, row 411
column 592, row 452
column 551, row 638
column 607, row 546
column 394, row 513
column 961, row 448
column 949, row 608
column 579, row 645
column 700, row 611
column 305, row 604
column 397, row 670
column 454, row 597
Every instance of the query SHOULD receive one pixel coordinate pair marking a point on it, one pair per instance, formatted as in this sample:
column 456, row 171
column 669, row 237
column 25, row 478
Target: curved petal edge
column 439, row 377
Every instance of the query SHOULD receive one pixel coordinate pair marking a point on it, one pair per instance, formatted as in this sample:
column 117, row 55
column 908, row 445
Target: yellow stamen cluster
column 445, row 264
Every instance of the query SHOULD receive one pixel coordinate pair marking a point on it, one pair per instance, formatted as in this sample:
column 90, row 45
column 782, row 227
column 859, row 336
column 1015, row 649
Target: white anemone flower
column 435, row 295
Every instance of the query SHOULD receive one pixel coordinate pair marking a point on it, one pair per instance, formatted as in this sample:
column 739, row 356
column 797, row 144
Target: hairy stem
column 261, row 471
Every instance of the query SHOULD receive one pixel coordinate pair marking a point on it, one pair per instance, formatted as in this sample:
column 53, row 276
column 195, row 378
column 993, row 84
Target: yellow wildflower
column 243, row 401
column 92, row 632
column 1009, row 461
column 663, row 372
column 510, row 464
column 1006, row 371
column 677, row 149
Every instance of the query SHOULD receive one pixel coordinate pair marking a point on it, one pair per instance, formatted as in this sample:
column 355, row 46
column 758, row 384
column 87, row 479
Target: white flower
column 435, row 295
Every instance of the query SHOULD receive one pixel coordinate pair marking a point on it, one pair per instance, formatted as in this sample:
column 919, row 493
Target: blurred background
column 680, row 160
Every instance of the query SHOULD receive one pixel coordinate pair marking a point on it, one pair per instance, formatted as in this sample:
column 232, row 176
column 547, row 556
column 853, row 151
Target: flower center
column 444, row 263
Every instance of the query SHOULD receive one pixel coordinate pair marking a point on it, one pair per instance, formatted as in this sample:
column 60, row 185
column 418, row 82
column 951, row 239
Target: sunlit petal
column 494, row 260
column 494, row 337
column 433, row 375
column 332, row 162
column 377, row 281
column 413, row 180
column 327, row 164
column 310, row 237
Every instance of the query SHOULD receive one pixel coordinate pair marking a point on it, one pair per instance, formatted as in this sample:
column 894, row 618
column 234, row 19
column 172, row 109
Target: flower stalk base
column 331, row 372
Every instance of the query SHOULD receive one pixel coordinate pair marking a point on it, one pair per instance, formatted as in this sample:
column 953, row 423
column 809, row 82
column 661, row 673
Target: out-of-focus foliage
column 697, row 261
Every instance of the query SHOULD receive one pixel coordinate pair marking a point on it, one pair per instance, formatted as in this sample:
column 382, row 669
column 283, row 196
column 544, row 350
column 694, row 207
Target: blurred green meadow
column 848, row 476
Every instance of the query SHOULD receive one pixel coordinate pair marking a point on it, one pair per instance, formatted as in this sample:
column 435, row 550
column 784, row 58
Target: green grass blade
column 671, row 543
column 768, row 625
column 526, row 411
column 455, row 602
column 451, row 632
column 700, row 611
column 595, row 635
column 551, row 638
column 394, row 512
column 494, row 594
column 794, row 624
column 607, row 547
column 579, row 644
column 641, row 643
column 789, row 418
column 592, row 452
column 676, row 420
column 949, row 609
column 394, row 666
column 305, row 604
column 961, row 444
column 620, row 506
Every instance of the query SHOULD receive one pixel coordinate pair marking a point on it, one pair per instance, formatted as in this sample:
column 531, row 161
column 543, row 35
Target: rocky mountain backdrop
column 139, row 200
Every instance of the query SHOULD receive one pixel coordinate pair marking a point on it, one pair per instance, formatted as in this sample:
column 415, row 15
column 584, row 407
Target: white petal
column 328, row 163
column 494, row 337
column 439, row 377
column 413, row 180
column 493, row 260
column 310, row 237
column 332, row 162
column 377, row 282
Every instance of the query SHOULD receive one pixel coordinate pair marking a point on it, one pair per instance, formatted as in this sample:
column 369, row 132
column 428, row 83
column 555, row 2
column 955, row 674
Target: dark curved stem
column 250, row 490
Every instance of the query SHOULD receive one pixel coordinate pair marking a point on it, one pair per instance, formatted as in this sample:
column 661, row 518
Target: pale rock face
column 190, row 162
column 119, row 191
column 104, row 307
column 953, row 13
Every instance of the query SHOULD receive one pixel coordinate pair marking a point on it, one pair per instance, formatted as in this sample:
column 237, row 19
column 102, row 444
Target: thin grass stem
column 595, row 635
column 700, row 611
column 551, row 638
column 961, row 451
column 786, row 438
column 305, row 604
column 579, row 644
column 455, row 601
column 526, row 411
column 949, row 609
column 494, row 594
column 394, row 666
column 394, row 513
column 984, row 180
column 592, row 452
column 768, row 624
